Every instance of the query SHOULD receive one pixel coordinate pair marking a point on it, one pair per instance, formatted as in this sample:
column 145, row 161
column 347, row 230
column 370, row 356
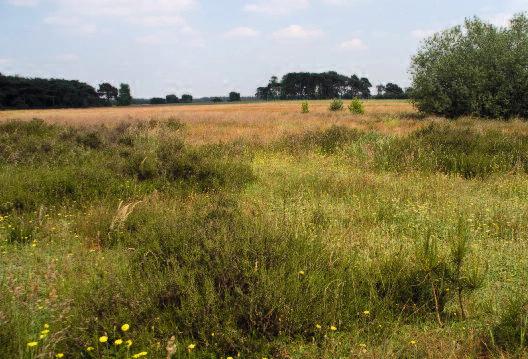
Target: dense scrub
column 331, row 243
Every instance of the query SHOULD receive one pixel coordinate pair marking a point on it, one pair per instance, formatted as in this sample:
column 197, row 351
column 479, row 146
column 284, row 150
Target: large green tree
column 474, row 69
column 124, row 98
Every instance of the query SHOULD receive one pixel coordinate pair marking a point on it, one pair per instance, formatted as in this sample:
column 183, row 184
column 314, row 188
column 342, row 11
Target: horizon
column 209, row 49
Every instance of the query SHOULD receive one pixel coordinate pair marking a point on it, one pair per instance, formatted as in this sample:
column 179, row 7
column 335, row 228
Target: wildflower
column 59, row 355
column 318, row 326
column 125, row 327
column 191, row 347
column 301, row 272
column 42, row 336
column 46, row 326
column 103, row 339
column 32, row 344
column 229, row 358
column 366, row 312
column 129, row 343
column 139, row 355
column 118, row 342
column 45, row 331
column 412, row 342
column 89, row 349
column 333, row 328
column 363, row 345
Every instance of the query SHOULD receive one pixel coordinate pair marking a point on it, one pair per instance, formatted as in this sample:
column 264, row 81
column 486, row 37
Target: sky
column 212, row 47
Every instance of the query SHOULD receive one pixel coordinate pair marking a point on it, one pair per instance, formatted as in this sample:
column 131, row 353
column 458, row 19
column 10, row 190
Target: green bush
column 305, row 107
column 476, row 69
column 356, row 107
column 336, row 105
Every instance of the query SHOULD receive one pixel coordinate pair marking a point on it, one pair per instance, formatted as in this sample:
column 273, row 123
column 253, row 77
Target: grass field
column 255, row 231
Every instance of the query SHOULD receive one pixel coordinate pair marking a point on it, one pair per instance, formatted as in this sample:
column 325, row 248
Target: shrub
column 305, row 107
column 336, row 105
column 475, row 69
column 356, row 107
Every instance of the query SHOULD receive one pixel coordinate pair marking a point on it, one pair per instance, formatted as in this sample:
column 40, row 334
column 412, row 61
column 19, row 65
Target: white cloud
column 421, row 34
column 23, row 2
column 84, row 14
column 353, row 44
column 277, row 7
column 242, row 32
column 297, row 32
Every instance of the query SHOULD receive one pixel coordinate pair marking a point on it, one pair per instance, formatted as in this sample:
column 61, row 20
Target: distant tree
column 217, row 99
column 20, row 92
column 157, row 101
column 393, row 91
column 234, row 96
column 172, row 99
column 124, row 98
column 186, row 98
column 305, row 85
column 107, row 91
column 380, row 90
column 474, row 69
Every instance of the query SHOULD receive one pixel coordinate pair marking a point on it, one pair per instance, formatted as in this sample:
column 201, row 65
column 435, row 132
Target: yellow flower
column 301, row 272
column 333, row 328
column 59, row 355
column 229, row 358
column 103, row 339
column 363, row 345
column 366, row 312
column 125, row 327
column 32, row 344
column 118, row 342
column 318, row 326
column 139, row 355
column 412, row 342
column 89, row 349
column 191, row 347
column 129, row 343
column 42, row 336
column 45, row 331
column 46, row 326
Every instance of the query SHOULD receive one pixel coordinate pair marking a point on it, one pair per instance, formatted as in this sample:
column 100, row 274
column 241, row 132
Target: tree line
column 22, row 93
column 325, row 85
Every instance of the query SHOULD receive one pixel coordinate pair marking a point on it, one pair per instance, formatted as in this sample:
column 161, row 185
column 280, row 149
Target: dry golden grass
column 257, row 122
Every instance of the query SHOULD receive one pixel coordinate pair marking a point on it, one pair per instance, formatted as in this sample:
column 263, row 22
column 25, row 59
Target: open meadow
column 252, row 230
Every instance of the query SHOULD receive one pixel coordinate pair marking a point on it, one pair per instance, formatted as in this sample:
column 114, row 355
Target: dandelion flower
column 32, row 344
column 45, row 331
column 333, row 328
column 89, row 349
column 229, row 358
column 46, row 326
column 118, row 342
column 59, row 355
column 103, row 339
column 129, row 343
column 301, row 272
column 191, row 347
column 125, row 327
column 413, row 342
column 318, row 326
column 366, row 312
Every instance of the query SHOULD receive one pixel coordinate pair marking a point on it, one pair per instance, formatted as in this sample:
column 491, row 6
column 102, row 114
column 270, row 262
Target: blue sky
column 211, row 47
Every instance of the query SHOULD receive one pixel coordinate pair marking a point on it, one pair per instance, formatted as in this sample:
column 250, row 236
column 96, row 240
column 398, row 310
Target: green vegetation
column 336, row 105
column 331, row 243
column 356, row 107
column 305, row 107
column 476, row 69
